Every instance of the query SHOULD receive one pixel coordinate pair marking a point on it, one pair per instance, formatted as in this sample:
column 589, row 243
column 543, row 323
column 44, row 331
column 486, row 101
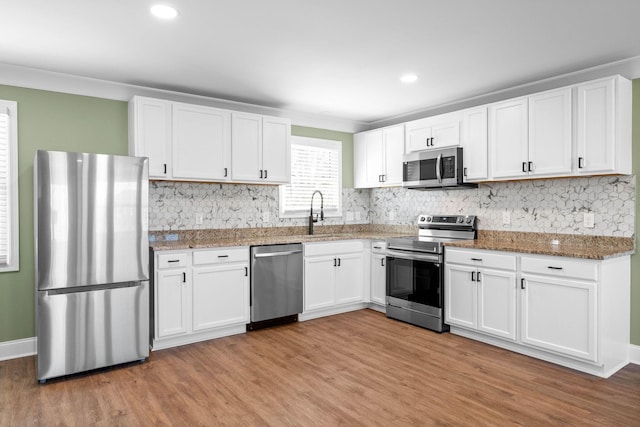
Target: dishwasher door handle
column 272, row 254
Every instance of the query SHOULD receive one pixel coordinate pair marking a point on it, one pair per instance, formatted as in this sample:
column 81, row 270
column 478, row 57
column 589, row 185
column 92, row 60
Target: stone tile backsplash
column 549, row 206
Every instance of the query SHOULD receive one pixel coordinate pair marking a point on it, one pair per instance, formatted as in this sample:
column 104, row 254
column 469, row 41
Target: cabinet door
column 374, row 144
column 559, row 315
column 460, row 296
column 550, row 133
column 446, row 134
column 417, row 135
column 508, row 139
column 201, row 142
column 349, row 278
column 393, row 152
column 497, row 303
column 151, row 123
column 475, row 142
column 378, row 279
column 246, row 148
column 276, row 150
column 220, row 296
column 319, row 282
column 596, row 127
column 171, row 303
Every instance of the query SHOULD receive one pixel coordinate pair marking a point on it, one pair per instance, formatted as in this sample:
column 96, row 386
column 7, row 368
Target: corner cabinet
column 261, row 149
column 378, row 157
column 569, row 311
column 333, row 278
column 199, row 294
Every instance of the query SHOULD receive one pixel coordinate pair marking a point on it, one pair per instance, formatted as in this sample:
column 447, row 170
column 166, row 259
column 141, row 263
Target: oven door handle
column 415, row 256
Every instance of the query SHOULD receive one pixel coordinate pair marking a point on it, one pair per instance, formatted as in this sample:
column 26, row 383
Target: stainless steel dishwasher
column 276, row 284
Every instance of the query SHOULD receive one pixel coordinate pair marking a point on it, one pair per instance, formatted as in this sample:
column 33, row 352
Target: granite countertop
column 198, row 239
column 568, row 245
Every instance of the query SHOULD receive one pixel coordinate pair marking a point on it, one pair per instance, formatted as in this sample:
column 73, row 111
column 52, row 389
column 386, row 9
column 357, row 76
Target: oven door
column 415, row 281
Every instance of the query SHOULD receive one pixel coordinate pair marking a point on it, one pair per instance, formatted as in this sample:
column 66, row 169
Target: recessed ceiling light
column 408, row 78
column 163, row 11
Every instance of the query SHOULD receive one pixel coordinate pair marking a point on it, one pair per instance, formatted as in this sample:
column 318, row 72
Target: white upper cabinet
column 531, row 136
column 433, row 132
column 201, row 142
column 150, row 134
column 604, row 126
column 261, row 149
column 378, row 157
column 475, row 144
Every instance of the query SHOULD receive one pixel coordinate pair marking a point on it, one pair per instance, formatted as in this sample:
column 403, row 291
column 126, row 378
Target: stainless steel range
column 415, row 269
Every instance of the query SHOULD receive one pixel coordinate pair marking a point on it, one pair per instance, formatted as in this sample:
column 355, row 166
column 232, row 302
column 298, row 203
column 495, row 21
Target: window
column 8, row 186
column 316, row 164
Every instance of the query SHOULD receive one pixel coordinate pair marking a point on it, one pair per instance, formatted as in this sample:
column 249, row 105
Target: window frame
column 13, row 251
column 328, row 213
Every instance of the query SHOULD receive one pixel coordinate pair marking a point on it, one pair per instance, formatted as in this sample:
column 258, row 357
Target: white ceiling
column 340, row 58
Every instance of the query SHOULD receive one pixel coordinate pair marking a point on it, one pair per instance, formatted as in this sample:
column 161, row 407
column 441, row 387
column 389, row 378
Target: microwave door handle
column 438, row 171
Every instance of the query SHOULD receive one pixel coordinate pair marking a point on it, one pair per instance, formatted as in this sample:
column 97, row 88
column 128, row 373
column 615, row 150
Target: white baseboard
column 634, row 354
column 17, row 348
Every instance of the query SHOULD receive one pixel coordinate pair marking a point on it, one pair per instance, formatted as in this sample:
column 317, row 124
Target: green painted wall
column 50, row 121
column 635, row 259
column 347, row 148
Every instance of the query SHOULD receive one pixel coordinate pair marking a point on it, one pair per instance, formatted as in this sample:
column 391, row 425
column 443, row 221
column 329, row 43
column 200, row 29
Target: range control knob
column 459, row 220
column 422, row 219
column 469, row 220
column 429, row 219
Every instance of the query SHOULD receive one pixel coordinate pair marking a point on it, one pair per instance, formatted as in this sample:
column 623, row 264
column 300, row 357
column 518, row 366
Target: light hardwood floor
column 358, row 368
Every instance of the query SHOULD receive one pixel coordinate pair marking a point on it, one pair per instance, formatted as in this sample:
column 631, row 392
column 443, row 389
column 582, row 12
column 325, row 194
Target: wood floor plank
column 358, row 368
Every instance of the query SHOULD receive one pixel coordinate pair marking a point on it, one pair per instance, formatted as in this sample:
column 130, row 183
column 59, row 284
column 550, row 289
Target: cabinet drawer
column 480, row 259
column 217, row 256
column 560, row 267
column 172, row 260
column 333, row 247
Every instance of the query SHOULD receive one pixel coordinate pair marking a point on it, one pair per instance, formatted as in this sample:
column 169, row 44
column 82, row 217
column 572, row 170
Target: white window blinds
column 8, row 187
column 316, row 164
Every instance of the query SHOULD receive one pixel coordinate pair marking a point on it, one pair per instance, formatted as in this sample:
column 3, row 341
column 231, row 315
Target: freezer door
column 91, row 219
column 80, row 331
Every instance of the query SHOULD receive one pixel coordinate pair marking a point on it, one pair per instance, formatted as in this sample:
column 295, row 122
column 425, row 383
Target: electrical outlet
column 506, row 217
column 588, row 220
column 357, row 216
column 265, row 216
column 199, row 218
column 349, row 216
column 392, row 215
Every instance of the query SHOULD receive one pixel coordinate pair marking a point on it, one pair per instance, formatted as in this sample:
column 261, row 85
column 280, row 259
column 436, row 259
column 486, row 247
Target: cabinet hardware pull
column 580, row 162
column 225, row 172
column 478, row 278
column 464, row 171
column 476, row 259
column 554, row 268
column 165, row 167
column 246, row 271
column 335, row 262
column 432, row 141
column 184, row 277
column 377, row 247
column 384, row 178
column 338, row 262
column 223, row 256
column 530, row 166
column 266, row 173
column 379, row 178
column 524, row 167
column 382, row 262
column 260, row 173
column 473, row 276
column 522, row 283
column 174, row 260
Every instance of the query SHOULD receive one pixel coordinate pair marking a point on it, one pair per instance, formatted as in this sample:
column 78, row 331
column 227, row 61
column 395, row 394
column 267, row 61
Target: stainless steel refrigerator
column 91, row 261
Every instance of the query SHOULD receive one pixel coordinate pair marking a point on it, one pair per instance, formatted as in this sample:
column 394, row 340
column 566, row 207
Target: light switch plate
column 589, row 220
column 265, row 216
column 199, row 218
column 392, row 215
column 349, row 216
column 506, row 217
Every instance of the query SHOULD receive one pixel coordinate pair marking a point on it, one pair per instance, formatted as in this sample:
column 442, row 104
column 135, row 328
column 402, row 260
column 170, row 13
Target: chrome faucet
column 311, row 218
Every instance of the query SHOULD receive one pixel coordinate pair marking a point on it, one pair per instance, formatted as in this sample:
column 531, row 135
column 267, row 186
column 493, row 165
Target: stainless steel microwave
column 434, row 169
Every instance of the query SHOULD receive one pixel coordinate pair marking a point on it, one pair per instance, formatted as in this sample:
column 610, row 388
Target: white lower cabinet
column 333, row 278
column 199, row 294
column 574, row 312
column 378, row 279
